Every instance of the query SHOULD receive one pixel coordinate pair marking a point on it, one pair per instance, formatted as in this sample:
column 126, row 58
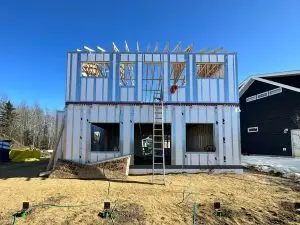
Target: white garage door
column 295, row 135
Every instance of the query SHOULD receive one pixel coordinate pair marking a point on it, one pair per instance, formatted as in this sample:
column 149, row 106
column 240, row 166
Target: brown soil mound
column 284, row 214
column 248, row 199
column 110, row 169
column 130, row 213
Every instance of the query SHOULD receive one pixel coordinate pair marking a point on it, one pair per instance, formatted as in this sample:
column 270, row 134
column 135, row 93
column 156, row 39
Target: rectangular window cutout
column 252, row 129
column 250, row 99
column 127, row 74
column 200, row 138
column 275, row 91
column 152, row 80
column 178, row 74
column 105, row 137
column 262, row 95
column 210, row 70
column 94, row 69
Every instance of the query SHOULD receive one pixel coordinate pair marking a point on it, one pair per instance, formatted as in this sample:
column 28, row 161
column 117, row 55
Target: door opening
column 143, row 143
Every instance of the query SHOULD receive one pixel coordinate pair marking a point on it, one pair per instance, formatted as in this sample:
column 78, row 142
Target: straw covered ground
column 250, row 198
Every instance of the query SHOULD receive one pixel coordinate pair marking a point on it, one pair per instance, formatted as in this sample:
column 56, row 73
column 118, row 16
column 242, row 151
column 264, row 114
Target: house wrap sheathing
column 109, row 107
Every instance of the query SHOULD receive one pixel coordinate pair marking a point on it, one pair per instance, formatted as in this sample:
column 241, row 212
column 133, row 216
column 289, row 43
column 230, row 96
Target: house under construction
column 170, row 109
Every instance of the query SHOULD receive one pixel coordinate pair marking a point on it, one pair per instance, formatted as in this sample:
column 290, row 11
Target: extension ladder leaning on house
column 158, row 151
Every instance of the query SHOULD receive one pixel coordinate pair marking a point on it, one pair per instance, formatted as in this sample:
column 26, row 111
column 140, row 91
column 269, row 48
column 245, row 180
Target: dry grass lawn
column 246, row 199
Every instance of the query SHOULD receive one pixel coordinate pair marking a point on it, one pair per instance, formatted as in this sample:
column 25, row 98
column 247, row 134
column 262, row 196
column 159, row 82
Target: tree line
column 27, row 125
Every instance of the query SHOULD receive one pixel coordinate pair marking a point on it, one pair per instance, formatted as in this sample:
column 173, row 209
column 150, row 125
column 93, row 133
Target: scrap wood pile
column 110, row 169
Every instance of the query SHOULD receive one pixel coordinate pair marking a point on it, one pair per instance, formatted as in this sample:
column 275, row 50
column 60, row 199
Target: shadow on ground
column 22, row 169
column 32, row 169
column 123, row 181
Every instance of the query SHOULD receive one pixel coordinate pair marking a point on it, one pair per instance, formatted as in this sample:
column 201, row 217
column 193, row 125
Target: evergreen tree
column 7, row 116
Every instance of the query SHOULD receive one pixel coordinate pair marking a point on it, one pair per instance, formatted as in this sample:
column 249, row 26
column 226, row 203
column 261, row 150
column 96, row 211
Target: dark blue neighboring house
column 270, row 114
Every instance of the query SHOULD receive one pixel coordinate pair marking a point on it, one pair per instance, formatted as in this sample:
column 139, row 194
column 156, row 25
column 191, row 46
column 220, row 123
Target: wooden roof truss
column 178, row 74
column 178, row 68
column 177, row 49
column 210, row 69
column 94, row 69
column 154, row 75
column 127, row 73
column 126, row 69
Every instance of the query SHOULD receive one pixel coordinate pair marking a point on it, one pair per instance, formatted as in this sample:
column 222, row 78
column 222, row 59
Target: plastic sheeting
column 24, row 155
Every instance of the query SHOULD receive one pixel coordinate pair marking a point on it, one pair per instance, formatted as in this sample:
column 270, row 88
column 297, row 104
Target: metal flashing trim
column 190, row 167
column 149, row 103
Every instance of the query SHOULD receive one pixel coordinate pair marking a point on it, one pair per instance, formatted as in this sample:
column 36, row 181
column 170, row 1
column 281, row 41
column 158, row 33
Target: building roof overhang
column 262, row 78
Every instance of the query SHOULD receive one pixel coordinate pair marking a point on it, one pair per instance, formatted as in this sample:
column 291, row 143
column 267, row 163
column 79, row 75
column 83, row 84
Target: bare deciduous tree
column 31, row 126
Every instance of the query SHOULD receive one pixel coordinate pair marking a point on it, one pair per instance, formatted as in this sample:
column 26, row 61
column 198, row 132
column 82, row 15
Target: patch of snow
column 287, row 166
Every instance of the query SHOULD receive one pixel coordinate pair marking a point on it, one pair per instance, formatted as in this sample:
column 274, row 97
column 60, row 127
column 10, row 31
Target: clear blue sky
column 35, row 36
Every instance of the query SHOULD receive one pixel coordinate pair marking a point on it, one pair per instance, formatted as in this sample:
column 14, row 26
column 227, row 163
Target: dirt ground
column 22, row 169
column 250, row 198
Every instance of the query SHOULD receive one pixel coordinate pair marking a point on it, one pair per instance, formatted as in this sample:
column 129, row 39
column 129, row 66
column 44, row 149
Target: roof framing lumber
column 217, row 50
column 137, row 46
column 88, row 49
column 115, row 48
column 156, row 47
column 204, row 50
column 101, row 49
column 148, row 47
column 126, row 47
column 189, row 49
column 177, row 47
column 208, row 69
column 167, row 47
